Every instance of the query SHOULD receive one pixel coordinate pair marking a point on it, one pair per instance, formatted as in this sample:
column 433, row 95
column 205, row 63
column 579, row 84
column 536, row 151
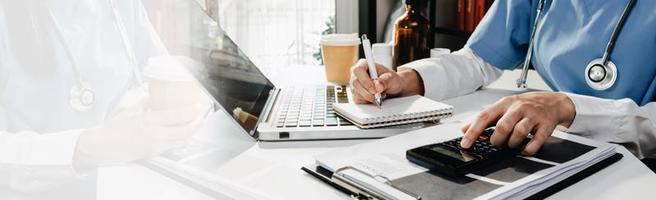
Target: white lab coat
column 618, row 121
column 38, row 127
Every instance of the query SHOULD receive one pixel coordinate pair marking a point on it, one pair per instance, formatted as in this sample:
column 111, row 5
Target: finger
column 504, row 127
column 521, row 130
column 356, row 88
column 384, row 81
column 362, row 75
column 382, row 69
column 363, row 94
column 465, row 128
column 359, row 99
column 379, row 86
column 539, row 138
column 484, row 120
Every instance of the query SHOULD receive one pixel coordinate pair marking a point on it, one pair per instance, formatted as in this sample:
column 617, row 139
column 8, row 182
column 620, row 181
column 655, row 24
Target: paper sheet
column 386, row 157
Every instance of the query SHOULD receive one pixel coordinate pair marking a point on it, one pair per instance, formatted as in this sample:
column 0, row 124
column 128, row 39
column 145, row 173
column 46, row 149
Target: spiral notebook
column 397, row 111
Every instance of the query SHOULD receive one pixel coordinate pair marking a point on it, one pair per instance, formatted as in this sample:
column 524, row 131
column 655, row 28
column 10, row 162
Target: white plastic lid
column 169, row 68
column 340, row 39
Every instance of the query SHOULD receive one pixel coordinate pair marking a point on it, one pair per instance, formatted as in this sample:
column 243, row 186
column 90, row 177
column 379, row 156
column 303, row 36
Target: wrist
column 412, row 83
column 81, row 157
column 567, row 111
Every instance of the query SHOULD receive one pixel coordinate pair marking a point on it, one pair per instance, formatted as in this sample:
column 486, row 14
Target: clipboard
column 351, row 187
column 361, row 192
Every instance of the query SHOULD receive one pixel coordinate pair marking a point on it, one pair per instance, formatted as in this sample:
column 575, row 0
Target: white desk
column 273, row 169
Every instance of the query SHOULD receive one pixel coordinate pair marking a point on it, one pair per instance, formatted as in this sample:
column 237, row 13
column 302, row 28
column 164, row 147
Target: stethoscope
column 600, row 73
column 82, row 97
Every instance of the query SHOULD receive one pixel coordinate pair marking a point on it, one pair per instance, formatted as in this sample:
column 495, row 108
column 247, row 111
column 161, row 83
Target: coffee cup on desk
column 170, row 85
column 339, row 53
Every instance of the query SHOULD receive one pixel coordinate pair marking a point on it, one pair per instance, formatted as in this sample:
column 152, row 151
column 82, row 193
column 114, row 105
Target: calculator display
column 454, row 153
column 451, row 159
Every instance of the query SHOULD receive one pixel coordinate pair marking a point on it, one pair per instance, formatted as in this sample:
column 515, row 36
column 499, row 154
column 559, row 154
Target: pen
column 366, row 45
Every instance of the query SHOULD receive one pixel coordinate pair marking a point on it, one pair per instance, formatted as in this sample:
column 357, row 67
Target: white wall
column 346, row 16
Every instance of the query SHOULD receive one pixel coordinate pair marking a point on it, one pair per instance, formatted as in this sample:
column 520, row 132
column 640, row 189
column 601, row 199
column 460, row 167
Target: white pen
column 366, row 45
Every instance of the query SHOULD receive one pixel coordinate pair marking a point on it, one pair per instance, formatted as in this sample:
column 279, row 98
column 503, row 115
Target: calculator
column 450, row 159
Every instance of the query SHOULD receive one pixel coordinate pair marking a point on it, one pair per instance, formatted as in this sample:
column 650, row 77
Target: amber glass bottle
column 411, row 33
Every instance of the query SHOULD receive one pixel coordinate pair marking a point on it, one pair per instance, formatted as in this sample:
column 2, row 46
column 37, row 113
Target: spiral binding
column 420, row 116
column 402, row 119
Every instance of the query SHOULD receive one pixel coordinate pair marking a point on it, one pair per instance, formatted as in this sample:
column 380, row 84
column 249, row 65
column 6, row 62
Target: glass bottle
column 411, row 32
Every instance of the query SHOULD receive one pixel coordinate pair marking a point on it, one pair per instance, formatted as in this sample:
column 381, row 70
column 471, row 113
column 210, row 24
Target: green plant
column 330, row 29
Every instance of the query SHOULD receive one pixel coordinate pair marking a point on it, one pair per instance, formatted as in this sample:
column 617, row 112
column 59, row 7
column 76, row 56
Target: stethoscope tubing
column 616, row 32
column 74, row 64
column 521, row 82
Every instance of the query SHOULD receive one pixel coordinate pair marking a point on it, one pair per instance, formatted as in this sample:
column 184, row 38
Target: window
column 278, row 32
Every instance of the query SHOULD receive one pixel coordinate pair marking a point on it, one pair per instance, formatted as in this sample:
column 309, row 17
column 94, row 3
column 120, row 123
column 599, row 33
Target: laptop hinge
column 266, row 112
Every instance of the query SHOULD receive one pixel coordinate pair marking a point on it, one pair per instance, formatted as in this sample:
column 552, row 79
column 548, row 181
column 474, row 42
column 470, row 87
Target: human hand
column 139, row 136
column 536, row 113
column 389, row 83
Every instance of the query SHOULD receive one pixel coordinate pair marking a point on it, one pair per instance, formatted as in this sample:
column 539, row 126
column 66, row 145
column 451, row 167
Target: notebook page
column 406, row 107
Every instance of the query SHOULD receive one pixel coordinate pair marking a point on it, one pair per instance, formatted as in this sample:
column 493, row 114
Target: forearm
column 452, row 75
column 618, row 121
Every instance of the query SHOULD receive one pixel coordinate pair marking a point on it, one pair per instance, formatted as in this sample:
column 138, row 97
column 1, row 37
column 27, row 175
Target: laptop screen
column 225, row 71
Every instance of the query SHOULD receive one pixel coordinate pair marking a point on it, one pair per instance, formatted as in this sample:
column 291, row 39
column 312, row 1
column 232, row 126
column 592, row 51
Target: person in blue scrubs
column 568, row 36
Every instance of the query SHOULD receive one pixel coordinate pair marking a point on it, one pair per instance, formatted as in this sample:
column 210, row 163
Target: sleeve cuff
column 34, row 149
column 429, row 72
column 61, row 148
column 594, row 117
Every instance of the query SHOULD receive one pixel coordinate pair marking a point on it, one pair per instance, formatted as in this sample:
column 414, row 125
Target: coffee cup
column 170, row 85
column 339, row 53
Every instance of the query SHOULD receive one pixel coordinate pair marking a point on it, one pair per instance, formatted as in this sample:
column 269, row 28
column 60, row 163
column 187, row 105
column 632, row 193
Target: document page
column 562, row 156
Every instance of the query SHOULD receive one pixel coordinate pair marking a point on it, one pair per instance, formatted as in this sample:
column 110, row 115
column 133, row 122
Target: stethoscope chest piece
column 599, row 76
column 82, row 97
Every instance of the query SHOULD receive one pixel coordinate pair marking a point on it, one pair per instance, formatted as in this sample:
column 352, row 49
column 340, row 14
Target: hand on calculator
column 517, row 117
column 452, row 159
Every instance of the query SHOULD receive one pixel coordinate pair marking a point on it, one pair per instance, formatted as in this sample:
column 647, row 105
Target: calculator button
column 488, row 131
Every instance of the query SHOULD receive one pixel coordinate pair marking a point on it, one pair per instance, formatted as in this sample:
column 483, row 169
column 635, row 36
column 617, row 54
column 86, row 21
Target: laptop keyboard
column 312, row 107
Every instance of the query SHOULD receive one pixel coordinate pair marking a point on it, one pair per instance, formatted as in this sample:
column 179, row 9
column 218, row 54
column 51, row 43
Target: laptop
column 271, row 113
column 249, row 103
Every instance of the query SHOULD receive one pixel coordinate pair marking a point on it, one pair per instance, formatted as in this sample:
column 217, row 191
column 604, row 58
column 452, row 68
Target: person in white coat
column 610, row 101
column 72, row 95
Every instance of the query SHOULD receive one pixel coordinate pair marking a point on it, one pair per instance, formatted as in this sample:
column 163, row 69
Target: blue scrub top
column 570, row 34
